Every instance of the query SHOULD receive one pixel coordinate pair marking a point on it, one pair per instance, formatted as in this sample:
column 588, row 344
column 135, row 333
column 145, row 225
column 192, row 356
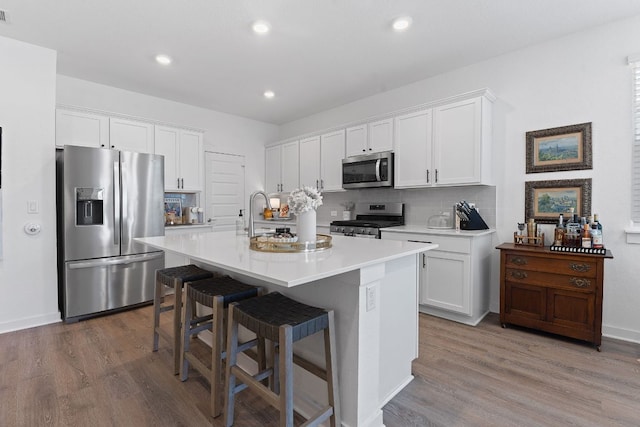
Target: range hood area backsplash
column 420, row 203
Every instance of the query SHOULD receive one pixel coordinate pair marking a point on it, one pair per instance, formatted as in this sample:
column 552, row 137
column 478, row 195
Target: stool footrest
column 320, row 416
column 166, row 308
column 310, row 367
column 257, row 387
column 197, row 329
column 198, row 366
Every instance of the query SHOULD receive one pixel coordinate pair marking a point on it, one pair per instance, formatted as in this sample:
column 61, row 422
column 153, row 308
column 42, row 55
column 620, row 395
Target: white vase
column 306, row 226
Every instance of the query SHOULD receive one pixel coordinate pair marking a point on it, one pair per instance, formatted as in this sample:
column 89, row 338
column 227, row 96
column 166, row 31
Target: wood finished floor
column 101, row 372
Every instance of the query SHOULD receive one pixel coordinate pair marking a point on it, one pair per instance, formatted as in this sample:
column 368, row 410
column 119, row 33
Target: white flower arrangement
column 304, row 199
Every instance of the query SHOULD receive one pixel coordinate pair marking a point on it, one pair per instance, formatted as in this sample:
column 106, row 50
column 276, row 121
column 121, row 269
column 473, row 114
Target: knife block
column 475, row 222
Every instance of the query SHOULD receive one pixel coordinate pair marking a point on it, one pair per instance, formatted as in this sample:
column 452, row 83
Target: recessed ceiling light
column 269, row 94
column 261, row 27
column 163, row 59
column 401, row 24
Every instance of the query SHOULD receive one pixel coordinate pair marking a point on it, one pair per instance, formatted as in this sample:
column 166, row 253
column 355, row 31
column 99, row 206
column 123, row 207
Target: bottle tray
column 262, row 244
column 528, row 241
column 596, row 251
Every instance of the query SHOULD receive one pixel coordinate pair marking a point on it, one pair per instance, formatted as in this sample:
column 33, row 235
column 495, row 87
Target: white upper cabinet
column 321, row 161
column 373, row 137
column 81, row 128
column 413, row 151
column 356, row 140
column 310, row 162
column 131, row 135
column 281, row 167
column 332, row 150
column 461, row 139
column 183, row 158
column 381, row 135
column 446, row 145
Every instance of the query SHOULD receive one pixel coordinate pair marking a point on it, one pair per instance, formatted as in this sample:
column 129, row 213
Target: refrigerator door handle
column 120, row 261
column 116, row 203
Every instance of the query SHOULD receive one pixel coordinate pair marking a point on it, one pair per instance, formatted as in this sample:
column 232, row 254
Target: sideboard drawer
column 582, row 268
column 553, row 280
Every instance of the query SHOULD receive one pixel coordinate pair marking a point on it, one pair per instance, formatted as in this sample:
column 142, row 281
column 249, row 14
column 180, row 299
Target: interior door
column 224, row 189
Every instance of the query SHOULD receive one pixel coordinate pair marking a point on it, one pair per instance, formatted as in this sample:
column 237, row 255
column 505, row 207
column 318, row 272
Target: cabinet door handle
column 322, row 184
column 424, row 260
column 178, row 179
column 518, row 274
column 579, row 282
column 518, row 260
column 427, row 176
column 580, row 268
column 436, row 176
column 317, row 184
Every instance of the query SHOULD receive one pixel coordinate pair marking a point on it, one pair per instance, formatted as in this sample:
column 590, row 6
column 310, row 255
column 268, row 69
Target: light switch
column 32, row 207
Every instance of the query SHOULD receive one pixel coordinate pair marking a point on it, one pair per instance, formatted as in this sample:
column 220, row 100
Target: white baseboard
column 30, row 322
column 621, row 334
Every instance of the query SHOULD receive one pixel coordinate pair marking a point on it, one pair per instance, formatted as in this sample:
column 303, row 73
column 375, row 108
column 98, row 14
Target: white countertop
column 423, row 229
column 183, row 226
column 230, row 252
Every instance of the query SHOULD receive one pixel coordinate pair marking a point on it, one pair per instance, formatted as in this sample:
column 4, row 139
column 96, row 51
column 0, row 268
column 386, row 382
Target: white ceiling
column 319, row 54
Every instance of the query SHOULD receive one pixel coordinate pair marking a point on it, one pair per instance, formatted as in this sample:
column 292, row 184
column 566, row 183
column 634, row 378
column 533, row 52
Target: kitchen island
column 372, row 286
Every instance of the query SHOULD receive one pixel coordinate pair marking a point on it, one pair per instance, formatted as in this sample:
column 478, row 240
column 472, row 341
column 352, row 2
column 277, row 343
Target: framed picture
column 545, row 200
column 559, row 149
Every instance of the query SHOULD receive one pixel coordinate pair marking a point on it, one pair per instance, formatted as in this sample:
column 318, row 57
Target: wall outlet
column 334, row 213
column 371, row 297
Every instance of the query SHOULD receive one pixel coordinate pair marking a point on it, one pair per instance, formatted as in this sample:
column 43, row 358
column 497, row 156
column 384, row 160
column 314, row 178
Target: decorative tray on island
column 267, row 244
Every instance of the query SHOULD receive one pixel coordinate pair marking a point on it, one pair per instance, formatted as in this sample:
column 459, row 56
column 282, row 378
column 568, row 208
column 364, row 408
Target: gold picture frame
column 559, row 149
column 546, row 200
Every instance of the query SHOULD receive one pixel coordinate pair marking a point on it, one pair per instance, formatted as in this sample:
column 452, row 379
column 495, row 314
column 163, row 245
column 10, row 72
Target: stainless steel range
column 370, row 218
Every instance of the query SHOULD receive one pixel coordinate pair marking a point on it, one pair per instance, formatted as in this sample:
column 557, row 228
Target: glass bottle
column 586, row 236
column 240, row 224
column 558, row 235
column 573, row 233
column 596, row 233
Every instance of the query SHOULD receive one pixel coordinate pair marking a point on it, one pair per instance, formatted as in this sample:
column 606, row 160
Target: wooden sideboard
column 556, row 292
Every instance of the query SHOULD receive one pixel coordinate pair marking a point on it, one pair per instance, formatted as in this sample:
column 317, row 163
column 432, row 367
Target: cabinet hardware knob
column 518, row 260
column 580, row 268
column 580, row 282
column 518, row 274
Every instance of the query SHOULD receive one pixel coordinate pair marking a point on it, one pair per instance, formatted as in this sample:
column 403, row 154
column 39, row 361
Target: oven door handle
column 378, row 170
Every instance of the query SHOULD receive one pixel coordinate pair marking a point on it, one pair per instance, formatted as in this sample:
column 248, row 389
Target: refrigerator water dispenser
column 89, row 206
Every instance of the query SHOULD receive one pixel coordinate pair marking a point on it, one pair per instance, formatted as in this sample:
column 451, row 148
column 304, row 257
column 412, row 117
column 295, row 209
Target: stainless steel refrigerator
column 105, row 199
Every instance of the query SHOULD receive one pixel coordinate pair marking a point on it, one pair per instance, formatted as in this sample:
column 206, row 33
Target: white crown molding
column 112, row 114
column 486, row 92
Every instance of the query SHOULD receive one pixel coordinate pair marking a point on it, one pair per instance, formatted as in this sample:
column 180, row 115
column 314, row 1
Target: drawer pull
column 518, row 274
column 518, row 260
column 580, row 268
column 580, row 282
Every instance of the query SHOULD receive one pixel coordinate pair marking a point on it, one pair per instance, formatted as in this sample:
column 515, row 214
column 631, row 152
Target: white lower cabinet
column 454, row 278
column 172, row 259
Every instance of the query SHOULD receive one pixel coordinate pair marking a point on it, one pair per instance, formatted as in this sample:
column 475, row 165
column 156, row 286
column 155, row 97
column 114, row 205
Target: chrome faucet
column 252, row 230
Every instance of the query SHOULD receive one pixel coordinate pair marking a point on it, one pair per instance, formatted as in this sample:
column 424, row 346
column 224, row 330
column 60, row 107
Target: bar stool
column 173, row 277
column 282, row 321
column 217, row 293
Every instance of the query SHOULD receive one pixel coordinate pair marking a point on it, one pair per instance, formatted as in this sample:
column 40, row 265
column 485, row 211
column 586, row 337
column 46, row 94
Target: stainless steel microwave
column 368, row 170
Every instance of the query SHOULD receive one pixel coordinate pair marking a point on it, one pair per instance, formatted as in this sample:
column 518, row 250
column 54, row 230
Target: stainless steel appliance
column 106, row 198
column 368, row 170
column 370, row 218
